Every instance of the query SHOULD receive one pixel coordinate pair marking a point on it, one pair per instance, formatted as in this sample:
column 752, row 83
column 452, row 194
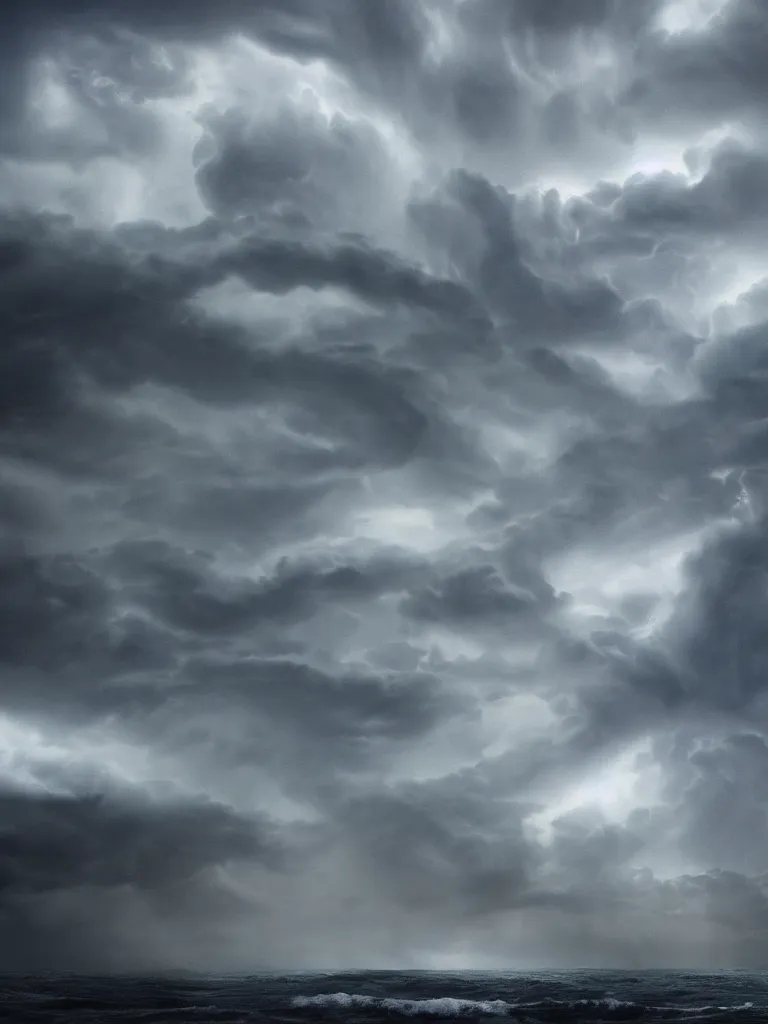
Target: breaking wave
column 447, row 1006
column 443, row 1006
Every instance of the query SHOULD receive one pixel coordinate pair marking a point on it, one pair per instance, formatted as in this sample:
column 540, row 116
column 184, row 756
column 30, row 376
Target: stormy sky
column 383, row 440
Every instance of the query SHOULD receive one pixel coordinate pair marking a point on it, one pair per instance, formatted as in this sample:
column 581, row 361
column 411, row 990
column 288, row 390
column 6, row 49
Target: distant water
column 547, row 997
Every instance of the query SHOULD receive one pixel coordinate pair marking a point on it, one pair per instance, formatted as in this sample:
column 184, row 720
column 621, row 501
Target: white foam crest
column 447, row 1006
column 443, row 1006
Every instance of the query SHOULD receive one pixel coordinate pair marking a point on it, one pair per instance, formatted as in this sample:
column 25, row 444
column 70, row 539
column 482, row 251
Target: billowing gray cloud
column 382, row 484
column 707, row 75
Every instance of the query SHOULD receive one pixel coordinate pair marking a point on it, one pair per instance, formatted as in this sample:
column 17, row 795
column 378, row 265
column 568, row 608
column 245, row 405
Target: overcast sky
column 383, row 435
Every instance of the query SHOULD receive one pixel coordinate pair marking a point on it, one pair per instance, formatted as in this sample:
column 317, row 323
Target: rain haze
column 383, row 478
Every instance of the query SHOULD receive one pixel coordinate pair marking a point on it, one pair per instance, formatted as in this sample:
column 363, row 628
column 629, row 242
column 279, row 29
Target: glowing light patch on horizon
column 744, row 281
column 614, row 789
column 533, row 446
column 689, row 16
column 740, row 297
column 412, row 527
column 237, row 302
column 599, row 580
column 653, row 157
column 391, row 525
column 451, row 646
column 687, row 157
column 636, row 373
column 508, row 719
column 31, row 750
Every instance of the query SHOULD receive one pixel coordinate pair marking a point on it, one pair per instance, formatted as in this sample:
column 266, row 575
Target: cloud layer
column 383, row 484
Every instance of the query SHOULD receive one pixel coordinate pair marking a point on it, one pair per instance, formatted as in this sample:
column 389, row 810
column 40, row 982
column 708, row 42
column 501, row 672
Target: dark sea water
column 547, row 997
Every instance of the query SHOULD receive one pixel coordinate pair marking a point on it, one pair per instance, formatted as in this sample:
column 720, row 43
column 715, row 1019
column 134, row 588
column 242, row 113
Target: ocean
column 545, row 997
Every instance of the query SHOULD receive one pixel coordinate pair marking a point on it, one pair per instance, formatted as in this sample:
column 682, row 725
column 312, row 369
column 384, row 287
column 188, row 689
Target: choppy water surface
column 360, row 996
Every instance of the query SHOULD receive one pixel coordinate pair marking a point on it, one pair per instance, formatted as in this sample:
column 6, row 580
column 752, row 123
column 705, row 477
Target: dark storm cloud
column 717, row 73
column 728, row 200
column 110, row 53
column 730, row 193
column 286, row 167
column 396, row 516
column 84, row 312
column 373, row 276
column 115, row 859
column 717, row 634
column 440, row 840
column 477, row 595
column 183, row 590
column 472, row 224
column 360, row 722
column 469, row 92
column 51, row 843
column 727, row 795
